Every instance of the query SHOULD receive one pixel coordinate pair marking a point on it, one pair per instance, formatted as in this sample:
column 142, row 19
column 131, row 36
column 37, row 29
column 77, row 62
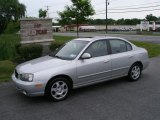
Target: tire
column 135, row 72
column 58, row 89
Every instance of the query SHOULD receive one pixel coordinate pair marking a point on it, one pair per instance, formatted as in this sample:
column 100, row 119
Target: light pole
column 77, row 25
column 106, row 16
column 76, row 17
column 77, row 21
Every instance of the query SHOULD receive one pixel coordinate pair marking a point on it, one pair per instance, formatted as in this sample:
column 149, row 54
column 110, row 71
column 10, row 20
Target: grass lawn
column 6, row 70
column 152, row 48
column 63, row 39
column 7, row 52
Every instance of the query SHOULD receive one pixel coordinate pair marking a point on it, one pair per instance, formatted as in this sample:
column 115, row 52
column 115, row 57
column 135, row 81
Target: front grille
column 16, row 74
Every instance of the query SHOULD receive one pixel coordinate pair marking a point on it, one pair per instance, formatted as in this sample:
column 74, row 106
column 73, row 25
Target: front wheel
column 58, row 89
column 135, row 72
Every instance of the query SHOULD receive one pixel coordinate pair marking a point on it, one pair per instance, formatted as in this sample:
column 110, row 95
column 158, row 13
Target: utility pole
column 77, row 21
column 106, row 16
column 77, row 25
column 47, row 11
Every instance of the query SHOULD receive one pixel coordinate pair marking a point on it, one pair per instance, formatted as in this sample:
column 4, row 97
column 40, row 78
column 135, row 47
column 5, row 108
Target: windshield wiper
column 56, row 56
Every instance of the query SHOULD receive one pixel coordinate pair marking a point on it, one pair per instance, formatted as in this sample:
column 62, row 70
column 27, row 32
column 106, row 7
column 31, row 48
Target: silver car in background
column 80, row 62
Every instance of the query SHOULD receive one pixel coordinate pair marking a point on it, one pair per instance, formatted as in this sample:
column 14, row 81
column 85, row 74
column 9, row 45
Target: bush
column 12, row 27
column 7, row 46
column 56, row 45
column 3, row 24
column 28, row 52
column 157, row 29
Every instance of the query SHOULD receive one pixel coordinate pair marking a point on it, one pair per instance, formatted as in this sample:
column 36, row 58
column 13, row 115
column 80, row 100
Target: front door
column 98, row 67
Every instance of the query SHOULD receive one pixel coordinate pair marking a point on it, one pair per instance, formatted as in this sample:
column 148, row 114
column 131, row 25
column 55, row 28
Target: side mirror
column 86, row 56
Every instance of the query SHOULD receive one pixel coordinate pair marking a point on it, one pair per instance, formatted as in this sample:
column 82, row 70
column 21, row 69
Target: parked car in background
column 80, row 62
column 87, row 28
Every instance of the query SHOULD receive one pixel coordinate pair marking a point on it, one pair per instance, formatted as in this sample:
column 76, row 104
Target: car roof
column 97, row 38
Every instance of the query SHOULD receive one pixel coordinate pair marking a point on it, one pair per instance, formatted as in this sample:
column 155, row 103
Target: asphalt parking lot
column 113, row 100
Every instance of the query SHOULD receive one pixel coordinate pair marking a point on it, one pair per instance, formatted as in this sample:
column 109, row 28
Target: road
column 154, row 39
column 113, row 100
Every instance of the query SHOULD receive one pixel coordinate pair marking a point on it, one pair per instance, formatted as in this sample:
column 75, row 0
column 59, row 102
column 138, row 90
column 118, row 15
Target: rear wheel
column 58, row 89
column 135, row 72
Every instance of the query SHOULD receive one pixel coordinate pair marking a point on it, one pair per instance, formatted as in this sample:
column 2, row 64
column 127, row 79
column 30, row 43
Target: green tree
column 120, row 21
column 21, row 9
column 10, row 10
column 135, row 21
column 101, row 22
column 42, row 13
column 150, row 17
column 3, row 23
column 79, row 11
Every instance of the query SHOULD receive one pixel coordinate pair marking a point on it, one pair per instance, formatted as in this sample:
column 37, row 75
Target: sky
column 140, row 6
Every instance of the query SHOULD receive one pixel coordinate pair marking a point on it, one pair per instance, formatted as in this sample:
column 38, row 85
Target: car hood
column 40, row 64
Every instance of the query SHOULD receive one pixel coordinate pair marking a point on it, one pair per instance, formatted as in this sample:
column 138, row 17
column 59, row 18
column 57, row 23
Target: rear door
column 121, row 56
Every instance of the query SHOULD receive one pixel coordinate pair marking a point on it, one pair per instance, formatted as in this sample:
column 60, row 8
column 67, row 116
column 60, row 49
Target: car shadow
column 99, row 86
column 76, row 92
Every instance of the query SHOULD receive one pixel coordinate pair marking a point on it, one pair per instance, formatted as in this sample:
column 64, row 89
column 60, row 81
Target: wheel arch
column 137, row 62
column 57, row 76
column 140, row 63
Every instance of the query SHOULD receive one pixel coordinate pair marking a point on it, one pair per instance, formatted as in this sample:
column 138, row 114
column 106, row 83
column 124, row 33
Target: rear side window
column 97, row 49
column 119, row 46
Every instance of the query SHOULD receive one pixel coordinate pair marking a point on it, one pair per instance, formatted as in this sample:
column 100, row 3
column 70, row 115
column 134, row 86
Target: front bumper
column 146, row 63
column 29, row 88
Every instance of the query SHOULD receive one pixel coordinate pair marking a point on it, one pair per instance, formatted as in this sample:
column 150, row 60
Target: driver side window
column 97, row 49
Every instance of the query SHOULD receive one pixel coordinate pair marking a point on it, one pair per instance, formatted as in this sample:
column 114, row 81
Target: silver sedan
column 80, row 62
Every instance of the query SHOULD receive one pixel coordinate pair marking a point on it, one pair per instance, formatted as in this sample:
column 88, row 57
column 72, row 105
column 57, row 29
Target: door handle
column 106, row 61
column 130, row 56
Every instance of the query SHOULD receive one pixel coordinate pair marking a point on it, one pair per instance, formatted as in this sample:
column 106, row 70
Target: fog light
column 24, row 92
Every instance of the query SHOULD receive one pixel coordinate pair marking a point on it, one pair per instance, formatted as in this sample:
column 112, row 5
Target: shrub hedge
column 28, row 52
column 7, row 46
column 56, row 45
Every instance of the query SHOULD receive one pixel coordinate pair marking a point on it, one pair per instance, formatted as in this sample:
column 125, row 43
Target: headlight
column 26, row 77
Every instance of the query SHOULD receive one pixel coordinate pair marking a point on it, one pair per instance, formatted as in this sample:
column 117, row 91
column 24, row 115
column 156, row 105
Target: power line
column 132, row 8
column 102, row 3
column 131, row 5
column 129, row 11
column 125, row 7
column 135, row 5
column 59, row 4
column 99, row 4
column 52, row 12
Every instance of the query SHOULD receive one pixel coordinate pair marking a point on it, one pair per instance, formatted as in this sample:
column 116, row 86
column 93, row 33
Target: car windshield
column 70, row 50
